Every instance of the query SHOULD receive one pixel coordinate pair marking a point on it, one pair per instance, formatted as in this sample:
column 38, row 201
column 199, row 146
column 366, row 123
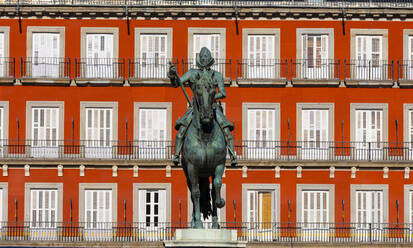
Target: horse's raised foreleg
column 219, row 171
column 195, row 195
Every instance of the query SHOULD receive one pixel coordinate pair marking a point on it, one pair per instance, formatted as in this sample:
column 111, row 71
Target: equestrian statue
column 204, row 136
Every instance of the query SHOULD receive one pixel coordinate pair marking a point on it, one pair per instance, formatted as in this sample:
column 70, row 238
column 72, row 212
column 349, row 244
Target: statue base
column 205, row 238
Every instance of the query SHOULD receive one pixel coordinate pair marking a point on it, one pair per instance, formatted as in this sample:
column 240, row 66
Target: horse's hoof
column 220, row 203
column 215, row 225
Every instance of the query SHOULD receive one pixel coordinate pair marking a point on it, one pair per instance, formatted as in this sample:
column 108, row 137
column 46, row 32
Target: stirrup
column 175, row 160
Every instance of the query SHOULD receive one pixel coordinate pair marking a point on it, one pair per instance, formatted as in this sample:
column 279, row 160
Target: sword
column 177, row 78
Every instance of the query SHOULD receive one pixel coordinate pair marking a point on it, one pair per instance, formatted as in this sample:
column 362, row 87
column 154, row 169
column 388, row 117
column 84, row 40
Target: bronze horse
column 204, row 155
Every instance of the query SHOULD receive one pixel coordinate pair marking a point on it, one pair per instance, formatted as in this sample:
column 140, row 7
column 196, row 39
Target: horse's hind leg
column 215, row 223
column 195, row 195
column 219, row 171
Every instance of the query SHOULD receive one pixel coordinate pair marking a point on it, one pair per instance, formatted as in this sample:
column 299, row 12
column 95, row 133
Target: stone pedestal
column 205, row 238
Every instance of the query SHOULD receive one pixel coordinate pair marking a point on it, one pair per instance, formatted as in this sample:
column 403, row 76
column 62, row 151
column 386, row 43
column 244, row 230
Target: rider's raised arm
column 174, row 78
column 221, row 94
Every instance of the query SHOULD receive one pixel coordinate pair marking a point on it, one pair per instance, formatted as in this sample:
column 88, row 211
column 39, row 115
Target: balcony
column 252, row 72
column 45, row 70
column 251, row 232
column 99, row 71
column 315, row 72
column 369, row 73
column 149, row 70
column 405, row 73
column 221, row 65
column 7, row 70
column 247, row 151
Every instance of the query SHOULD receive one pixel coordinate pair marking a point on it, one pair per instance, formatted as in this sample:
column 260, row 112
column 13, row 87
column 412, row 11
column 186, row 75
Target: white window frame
column 358, row 74
column 161, row 71
column 407, row 55
column 84, row 31
column 35, row 233
column 136, row 122
column 271, row 71
column 205, row 31
column 4, row 61
column 4, row 131
column 245, row 129
column 257, row 232
column 44, row 151
column 408, row 204
column 408, row 128
column 84, row 105
column 97, row 186
column 378, row 228
column 375, row 153
column 61, row 32
column 4, row 187
column 151, row 186
column 324, row 152
column 324, row 70
column 323, row 230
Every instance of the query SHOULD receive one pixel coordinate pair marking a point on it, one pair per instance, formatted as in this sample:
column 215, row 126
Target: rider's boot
column 231, row 148
column 178, row 145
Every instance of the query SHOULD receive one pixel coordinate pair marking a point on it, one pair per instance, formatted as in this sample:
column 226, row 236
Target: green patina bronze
column 204, row 136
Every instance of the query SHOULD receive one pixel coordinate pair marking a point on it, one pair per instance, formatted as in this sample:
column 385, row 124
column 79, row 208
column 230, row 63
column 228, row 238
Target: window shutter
column 261, row 124
column 315, row 206
column 142, row 206
column 45, row 124
column 99, row 124
column 152, row 124
column 252, row 206
column 324, row 47
column 3, row 64
column 315, row 125
column 411, row 206
column 211, row 41
column 305, row 46
column 162, row 206
column 410, row 57
column 1, row 126
column 88, row 207
column 410, row 126
column 265, row 207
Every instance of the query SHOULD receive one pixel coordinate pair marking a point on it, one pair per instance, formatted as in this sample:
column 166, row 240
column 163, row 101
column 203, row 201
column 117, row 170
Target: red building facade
column 320, row 97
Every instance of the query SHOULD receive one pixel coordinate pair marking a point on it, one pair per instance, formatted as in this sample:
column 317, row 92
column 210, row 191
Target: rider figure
column 204, row 62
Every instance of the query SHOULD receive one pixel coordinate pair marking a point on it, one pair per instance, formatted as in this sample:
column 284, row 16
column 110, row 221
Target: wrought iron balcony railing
column 221, row 65
column 368, row 70
column 261, row 232
column 262, row 69
column 100, row 68
column 45, row 67
column 228, row 3
column 247, row 150
column 7, row 68
column 150, row 68
column 405, row 70
column 315, row 69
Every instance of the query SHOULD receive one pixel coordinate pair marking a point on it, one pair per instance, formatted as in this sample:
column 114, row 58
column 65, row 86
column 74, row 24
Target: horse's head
column 204, row 96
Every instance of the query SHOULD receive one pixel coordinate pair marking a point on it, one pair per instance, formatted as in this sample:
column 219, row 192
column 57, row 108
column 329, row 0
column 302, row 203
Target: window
column 408, row 209
column 315, row 133
column 409, row 64
column 152, row 129
column 408, row 129
column 213, row 39
column 369, row 129
column 44, row 129
column 2, row 56
column 369, row 57
column 315, row 129
column 4, row 130
column 369, row 132
column 99, row 53
column 261, row 56
column 98, row 209
column 260, row 122
column 1, row 124
column 98, row 128
column 369, row 209
column 4, row 52
column 152, row 209
column 45, row 52
column 261, row 204
column 153, row 56
column 43, row 209
column 3, row 204
column 315, row 56
column 153, row 204
column 99, row 56
column 315, row 209
column 45, row 56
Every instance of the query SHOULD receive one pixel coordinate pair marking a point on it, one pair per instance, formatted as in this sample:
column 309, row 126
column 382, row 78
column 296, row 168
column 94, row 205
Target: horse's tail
column 205, row 199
